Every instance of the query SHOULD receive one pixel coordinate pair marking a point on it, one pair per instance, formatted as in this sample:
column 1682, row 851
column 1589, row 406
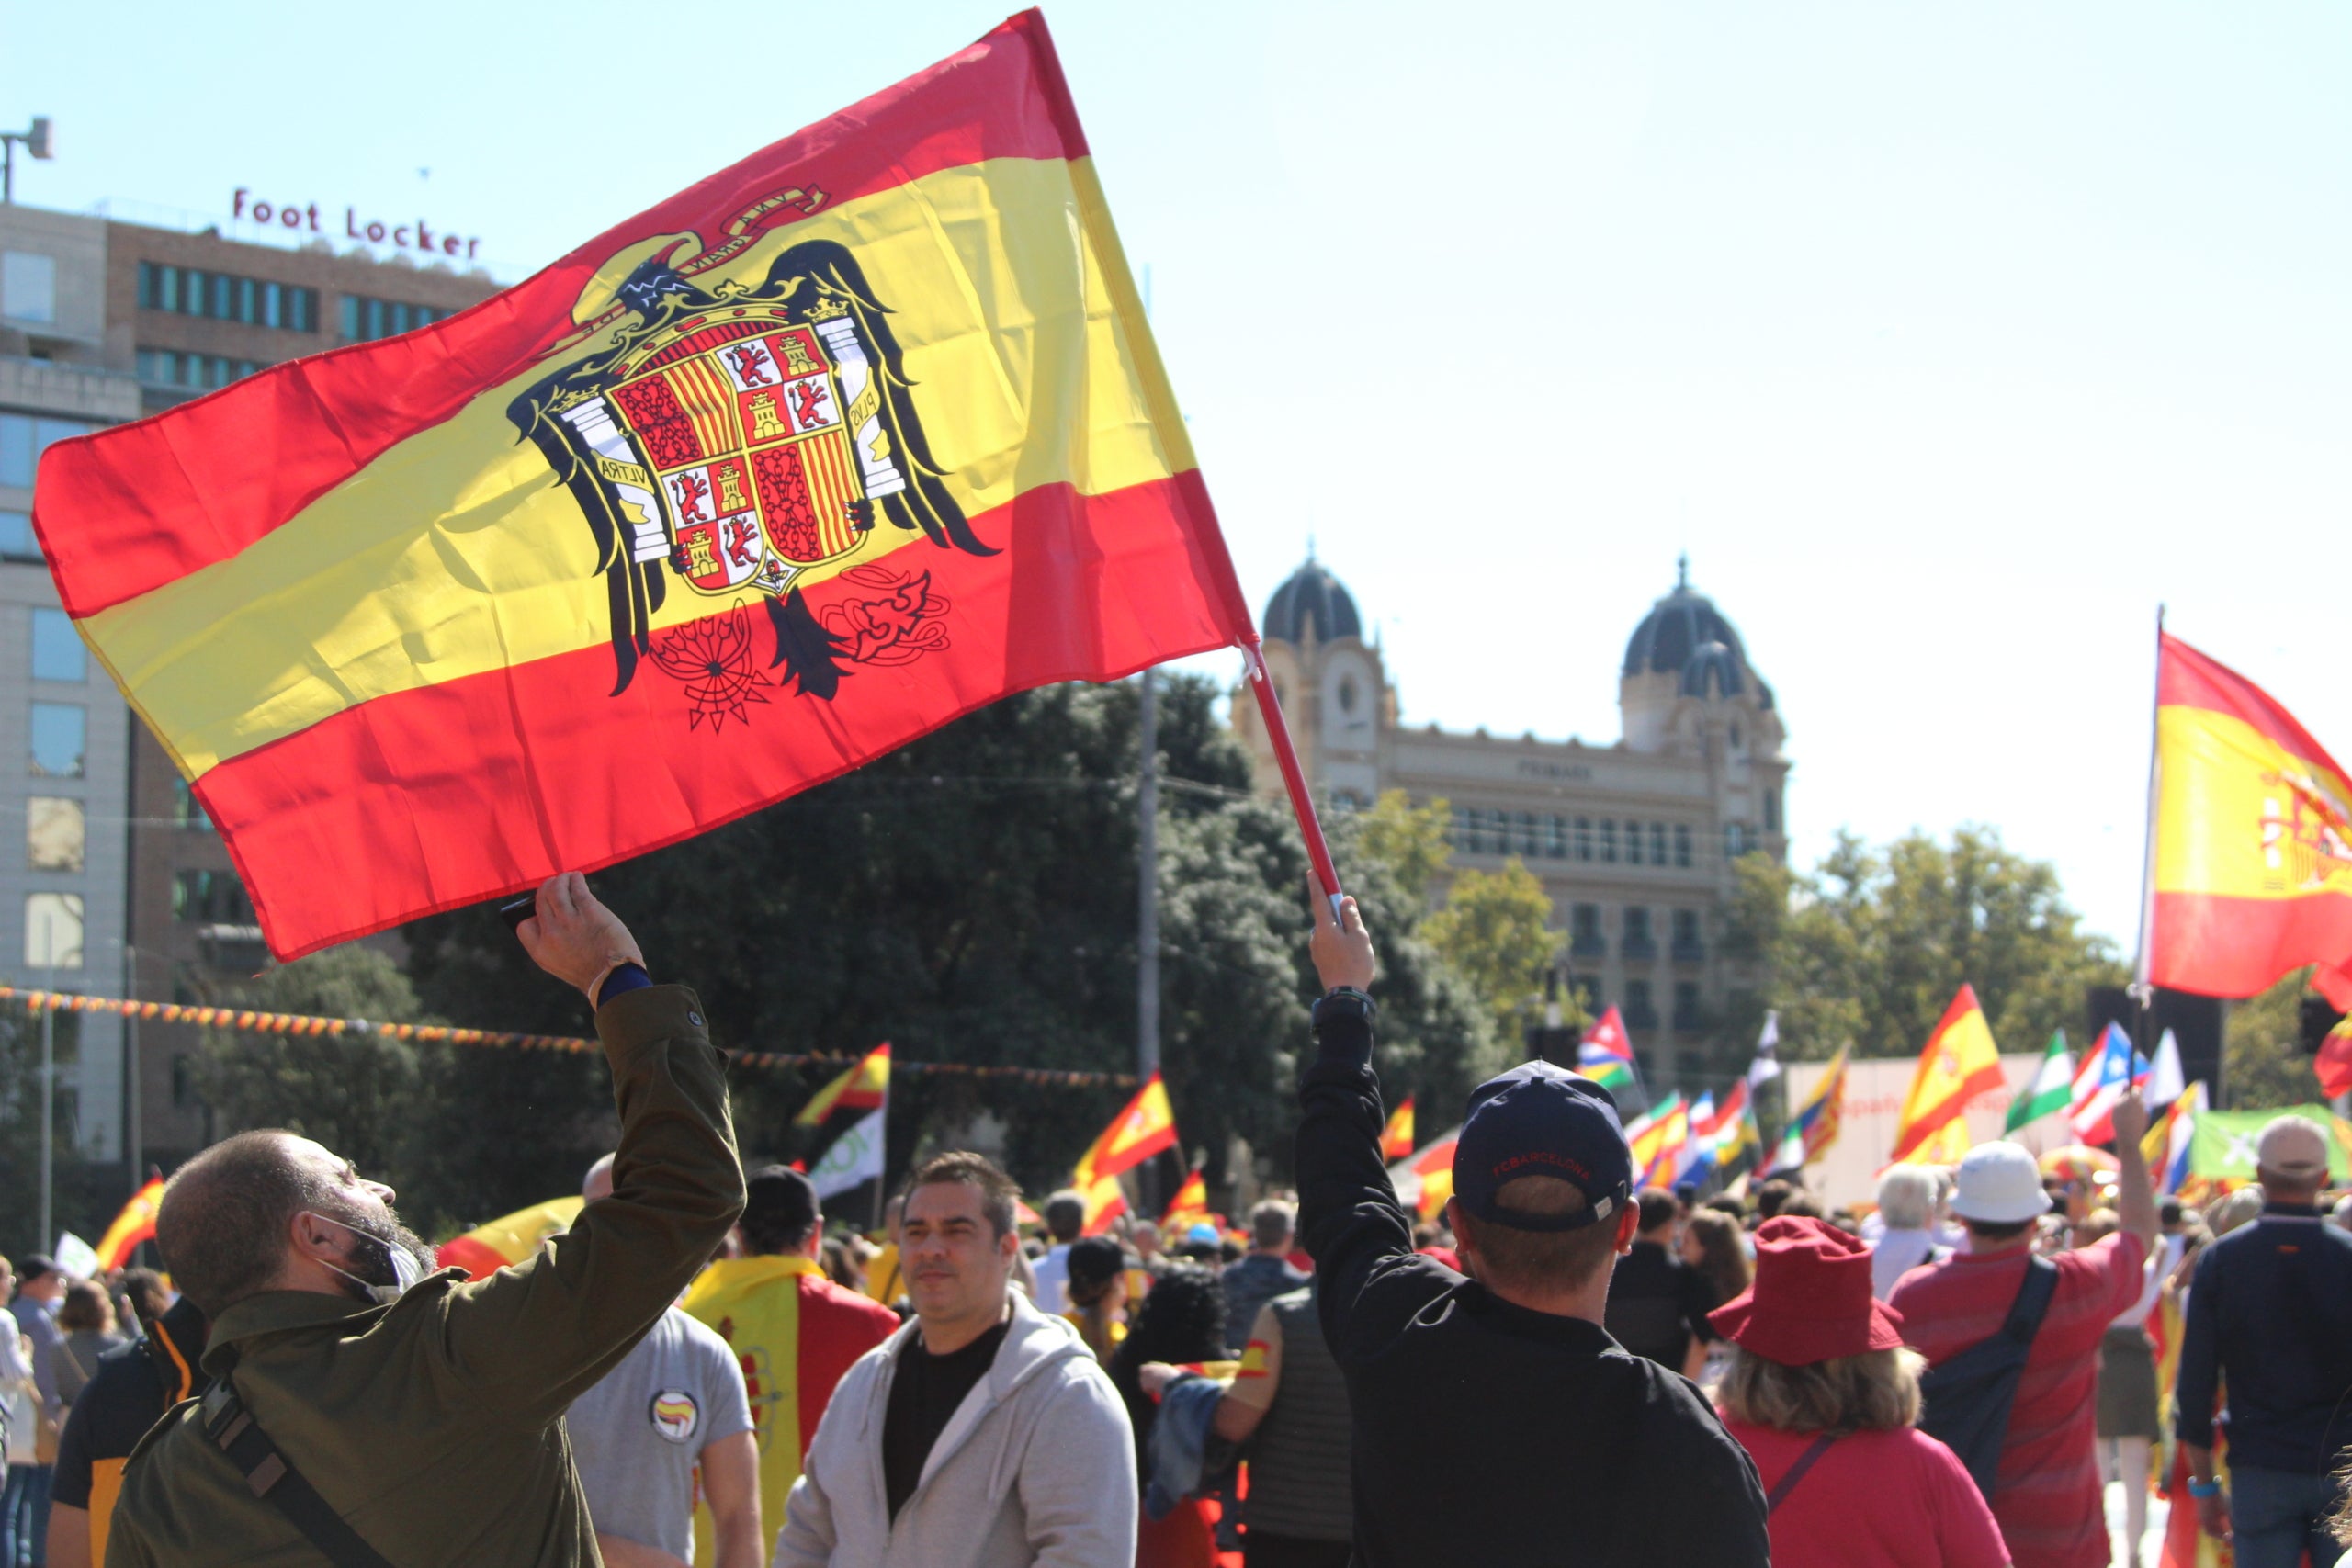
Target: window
column 1584, row 940
column 364, row 320
column 17, row 541
column 1657, row 843
column 1639, row 942
column 211, row 899
column 1682, row 844
column 56, row 837
column 54, row 931
column 24, row 438
column 1347, row 694
column 1609, row 840
column 170, row 367
column 1457, row 832
column 1639, row 1014
column 1686, row 1004
column 1525, row 823
column 1688, row 949
column 1556, row 837
column 1737, row 738
column 1633, row 843
column 187, row 292
column 1771, row 811
column 57, row 733
column 187, row 810
column 1584, row 838
column 58, row 653
column 29, row 288
column 1592, row 994
column 1735, row 840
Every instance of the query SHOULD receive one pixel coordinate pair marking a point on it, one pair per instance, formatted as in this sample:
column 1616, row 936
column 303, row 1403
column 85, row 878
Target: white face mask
column 407, row 1267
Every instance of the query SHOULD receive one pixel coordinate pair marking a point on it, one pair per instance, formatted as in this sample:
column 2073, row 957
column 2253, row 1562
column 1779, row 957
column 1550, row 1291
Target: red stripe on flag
column 126, row 511
column 330, row 827
column 2220, row 946
column 2186, row 678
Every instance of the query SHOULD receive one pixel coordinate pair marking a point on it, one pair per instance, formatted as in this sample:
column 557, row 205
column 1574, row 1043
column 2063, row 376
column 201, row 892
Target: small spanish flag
column 1957, row 1065
column 825, row 451
column 2253, row 836
column 864, row 1087
column 1135, row 1135
column 134, row 1225
column 1192, row 1199
column 1105, row 1202
column 1434, row 1166
column 1397, row 1138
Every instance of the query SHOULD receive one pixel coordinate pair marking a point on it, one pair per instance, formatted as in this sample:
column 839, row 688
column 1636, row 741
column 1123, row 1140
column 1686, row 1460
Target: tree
column 360, row 1095
column 1495, row 931
column 1868, row 949
column 2263, row 1059
column 84, row 1194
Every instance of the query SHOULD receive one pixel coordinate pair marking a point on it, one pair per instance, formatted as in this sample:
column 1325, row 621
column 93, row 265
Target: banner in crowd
column 1959, row 1063
column 2222, row 1146
column 2252, row 839
column 843, row 442
column 854, row 1158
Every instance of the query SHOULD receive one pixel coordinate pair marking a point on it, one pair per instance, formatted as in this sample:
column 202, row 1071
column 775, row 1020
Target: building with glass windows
column 1633, row 840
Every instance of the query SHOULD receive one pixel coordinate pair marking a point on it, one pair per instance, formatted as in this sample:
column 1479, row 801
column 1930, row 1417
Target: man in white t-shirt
column 676, row 1402
column 1065, row 1216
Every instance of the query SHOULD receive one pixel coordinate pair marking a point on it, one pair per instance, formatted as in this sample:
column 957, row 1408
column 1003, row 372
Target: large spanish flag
column 1959, row 1063
column 2253, row 835
column 842, row 443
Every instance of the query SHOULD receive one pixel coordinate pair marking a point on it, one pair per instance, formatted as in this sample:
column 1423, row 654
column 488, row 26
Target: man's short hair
column 1658, row 1207
column 1065, row 1214
column 36, row 1266
column 1540, row 1260
column 998, row 1192
column 222, row 1226
column 2167, row 1211
column 779, row 1211
column 1272, row 1225
column 1771, row 1195
column 1997, row 1235
column 1906, row 1197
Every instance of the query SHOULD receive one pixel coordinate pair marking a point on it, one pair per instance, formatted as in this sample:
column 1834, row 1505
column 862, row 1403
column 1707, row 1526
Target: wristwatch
column 1347, row 999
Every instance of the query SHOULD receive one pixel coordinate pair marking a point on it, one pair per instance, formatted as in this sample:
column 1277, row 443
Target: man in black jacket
column 1494, row 1419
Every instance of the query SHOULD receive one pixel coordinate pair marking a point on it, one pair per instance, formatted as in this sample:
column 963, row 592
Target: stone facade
column 1633, row 840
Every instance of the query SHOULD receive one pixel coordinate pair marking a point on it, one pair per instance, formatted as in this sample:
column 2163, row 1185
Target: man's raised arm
column 542, row 1333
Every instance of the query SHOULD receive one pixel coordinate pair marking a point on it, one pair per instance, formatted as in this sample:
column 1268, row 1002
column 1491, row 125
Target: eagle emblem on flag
column 733, row 438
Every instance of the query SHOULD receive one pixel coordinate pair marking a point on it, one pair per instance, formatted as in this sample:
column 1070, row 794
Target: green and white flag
column 2051, row 1090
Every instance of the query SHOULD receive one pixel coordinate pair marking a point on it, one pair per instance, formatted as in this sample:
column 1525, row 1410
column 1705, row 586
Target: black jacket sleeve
column 1354, row 1228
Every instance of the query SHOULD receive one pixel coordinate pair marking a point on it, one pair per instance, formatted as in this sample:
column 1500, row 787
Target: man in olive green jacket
column 432, row 1425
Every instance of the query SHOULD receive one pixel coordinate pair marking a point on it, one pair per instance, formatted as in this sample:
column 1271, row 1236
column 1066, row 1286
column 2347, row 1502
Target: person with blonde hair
column 1823, row 1394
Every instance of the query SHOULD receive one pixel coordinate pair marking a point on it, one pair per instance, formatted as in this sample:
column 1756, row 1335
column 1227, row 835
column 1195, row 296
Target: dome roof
column 1712, row 666
column 1311, row 595
column 1678, row 628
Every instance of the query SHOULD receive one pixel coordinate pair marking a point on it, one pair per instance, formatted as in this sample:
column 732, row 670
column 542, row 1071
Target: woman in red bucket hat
column 1823, row 1394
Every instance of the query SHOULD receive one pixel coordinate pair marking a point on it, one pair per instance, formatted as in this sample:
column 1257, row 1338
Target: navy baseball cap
column 1538, row 1120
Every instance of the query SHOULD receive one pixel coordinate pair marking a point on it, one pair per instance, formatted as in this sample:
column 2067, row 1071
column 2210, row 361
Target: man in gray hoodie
column 982, row 1434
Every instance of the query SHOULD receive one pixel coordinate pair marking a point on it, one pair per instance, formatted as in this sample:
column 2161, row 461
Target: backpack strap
column 233, row 1430
column 2033, row 1301
column 1795, row 1473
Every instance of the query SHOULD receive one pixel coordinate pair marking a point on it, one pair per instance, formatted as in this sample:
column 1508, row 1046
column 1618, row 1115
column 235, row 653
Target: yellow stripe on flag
column 431, row 565
column 2230, row 804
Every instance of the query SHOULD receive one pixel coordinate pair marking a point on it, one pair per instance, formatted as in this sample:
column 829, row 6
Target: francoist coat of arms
column 734, row 437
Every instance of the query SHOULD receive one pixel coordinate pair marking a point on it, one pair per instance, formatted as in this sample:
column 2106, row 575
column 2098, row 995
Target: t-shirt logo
column 675, row 1415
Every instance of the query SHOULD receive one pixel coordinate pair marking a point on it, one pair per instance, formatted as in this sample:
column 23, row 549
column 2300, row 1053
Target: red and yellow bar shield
column 2252, row 835
column 847, row 441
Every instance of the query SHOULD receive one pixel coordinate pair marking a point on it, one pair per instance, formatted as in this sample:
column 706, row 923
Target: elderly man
column 2270, row 1307
column 366, row 1411
column 1907, row 1195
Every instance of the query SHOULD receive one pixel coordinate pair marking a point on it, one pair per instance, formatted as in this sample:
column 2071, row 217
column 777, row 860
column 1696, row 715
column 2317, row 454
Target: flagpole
column 1302, row 804
column 2141, row 991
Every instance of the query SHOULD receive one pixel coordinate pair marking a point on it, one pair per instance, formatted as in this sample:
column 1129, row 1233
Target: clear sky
column 1948, row 340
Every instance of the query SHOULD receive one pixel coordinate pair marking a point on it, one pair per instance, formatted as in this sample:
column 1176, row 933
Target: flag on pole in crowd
column 2250, row 837
column 1735, row 1135
column 1145, row 1127
column 856, row 1157
column 1958, row 1064
column 510, row 1238
column 1698, row 1149
column 1606, row 1054
column 1397, row 1138
column 1767, row 1066
column 2166, row 1083
column 836, row 446
column 1105, row 1202
column 2167, row 1144
column 1424, row 1180
column 134, row 1225
column 1191, row 1203
column 2053, row 1087
column 2107, row 1072
column 1657, row 1138
column 1815, row 1125
column 866, row 1087
column 2333, row 1062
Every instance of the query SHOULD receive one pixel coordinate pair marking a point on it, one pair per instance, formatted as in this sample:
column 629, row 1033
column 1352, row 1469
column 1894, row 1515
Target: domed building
column 1633, row 840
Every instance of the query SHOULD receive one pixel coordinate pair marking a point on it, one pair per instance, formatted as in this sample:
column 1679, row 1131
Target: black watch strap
column 1348, row 998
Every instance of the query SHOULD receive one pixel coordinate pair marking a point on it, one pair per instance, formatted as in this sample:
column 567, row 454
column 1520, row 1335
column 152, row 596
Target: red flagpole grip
column 1302, row 804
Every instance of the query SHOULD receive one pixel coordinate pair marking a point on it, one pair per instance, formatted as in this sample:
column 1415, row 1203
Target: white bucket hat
column 1999, row 1184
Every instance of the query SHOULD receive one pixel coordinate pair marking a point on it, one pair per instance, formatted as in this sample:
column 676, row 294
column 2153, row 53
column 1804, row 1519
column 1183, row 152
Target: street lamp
column 37, row 141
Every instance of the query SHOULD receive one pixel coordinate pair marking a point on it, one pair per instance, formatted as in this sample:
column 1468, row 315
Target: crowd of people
column 1565, row 1367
